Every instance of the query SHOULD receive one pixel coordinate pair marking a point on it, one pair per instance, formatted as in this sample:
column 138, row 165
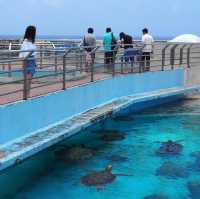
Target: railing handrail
column 73, row 59
column 85, row 47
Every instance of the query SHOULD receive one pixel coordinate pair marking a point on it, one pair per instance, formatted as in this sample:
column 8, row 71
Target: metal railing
column 62, row 68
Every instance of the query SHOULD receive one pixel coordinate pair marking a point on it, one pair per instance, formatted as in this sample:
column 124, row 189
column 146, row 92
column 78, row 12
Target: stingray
column 100, row 178
column 75, row 153
column 117, row 158
column 196, row 154
column 111, row 136
column 194, row 189
column 156, row 196
column 196, row 164
column 171, row 170
column 169, row 148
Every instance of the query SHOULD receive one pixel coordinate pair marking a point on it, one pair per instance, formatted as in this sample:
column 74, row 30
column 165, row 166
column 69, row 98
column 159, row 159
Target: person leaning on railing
column 129, row 53
column 109, row 43
column 147, row 49
column 28, row 46
column 89, row 43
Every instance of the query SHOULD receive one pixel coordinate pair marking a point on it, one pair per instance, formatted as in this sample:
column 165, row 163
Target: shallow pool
column 144, row 133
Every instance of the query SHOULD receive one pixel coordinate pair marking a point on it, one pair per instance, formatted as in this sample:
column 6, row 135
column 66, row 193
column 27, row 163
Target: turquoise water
column 144, row 133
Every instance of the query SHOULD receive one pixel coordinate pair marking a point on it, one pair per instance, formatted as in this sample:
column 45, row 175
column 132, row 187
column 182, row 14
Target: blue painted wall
column 24, row 117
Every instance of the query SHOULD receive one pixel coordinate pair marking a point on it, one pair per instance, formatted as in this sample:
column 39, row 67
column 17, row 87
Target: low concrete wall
column 24, row 117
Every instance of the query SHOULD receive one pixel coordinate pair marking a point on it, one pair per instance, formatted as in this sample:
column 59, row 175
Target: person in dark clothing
column 126, row 40
column 127, row 44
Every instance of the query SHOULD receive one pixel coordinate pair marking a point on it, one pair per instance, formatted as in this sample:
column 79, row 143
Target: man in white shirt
column 147, row 49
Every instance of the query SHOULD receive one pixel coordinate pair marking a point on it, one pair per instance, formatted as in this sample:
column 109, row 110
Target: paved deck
column 52, row 84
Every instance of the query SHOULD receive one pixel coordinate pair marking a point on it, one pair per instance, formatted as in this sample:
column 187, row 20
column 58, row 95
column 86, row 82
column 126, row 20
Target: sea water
column 144, row 133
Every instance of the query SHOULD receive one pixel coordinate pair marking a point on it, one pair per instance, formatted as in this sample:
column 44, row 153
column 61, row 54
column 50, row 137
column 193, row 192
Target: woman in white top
column 29, row 47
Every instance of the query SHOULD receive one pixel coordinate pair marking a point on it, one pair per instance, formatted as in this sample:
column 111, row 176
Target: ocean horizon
column 54, row 37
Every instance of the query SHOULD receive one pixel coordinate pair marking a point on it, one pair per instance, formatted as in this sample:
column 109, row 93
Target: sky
column 73, row 17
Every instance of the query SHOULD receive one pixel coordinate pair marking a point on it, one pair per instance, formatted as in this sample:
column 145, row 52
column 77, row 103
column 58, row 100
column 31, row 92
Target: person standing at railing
column 89, row 43
column 147, row 49
column 28, row 46
column 127, row 43
column 110, row 45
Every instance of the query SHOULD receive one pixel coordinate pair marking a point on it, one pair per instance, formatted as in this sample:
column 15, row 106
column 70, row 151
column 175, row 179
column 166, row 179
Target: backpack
column 114, row 44
column 85, row 44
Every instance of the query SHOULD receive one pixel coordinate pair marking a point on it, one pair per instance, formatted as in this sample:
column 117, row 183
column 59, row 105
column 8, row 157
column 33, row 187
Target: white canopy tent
column 186, row 38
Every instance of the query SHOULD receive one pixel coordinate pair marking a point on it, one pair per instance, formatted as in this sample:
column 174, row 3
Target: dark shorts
column 31, row 66
column 109, row 57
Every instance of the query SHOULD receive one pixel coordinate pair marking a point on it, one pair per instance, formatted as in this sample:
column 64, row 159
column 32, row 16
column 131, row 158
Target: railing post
column 141, row 62
column 163, row 57
column 172, row 56
column 9, row 65
column 92, row 71
column 76, row 58
column 188, row 56
column 81, row 60
column 56, row 62
column 181, row 56
column 64, row 71
column 131, row 66
column 122, row 66
column 92, row 54
column 25, row 89
column 113, row 66
column 114, row 56
column 41, row 56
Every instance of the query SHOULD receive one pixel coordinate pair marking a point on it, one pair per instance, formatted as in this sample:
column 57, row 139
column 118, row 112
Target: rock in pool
column 155, row 196
column 117, row 158
column 194, row 189
column 75, row 153
column 195, row 166
column 196, row 154
column 110, row 136
column 171, row 170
